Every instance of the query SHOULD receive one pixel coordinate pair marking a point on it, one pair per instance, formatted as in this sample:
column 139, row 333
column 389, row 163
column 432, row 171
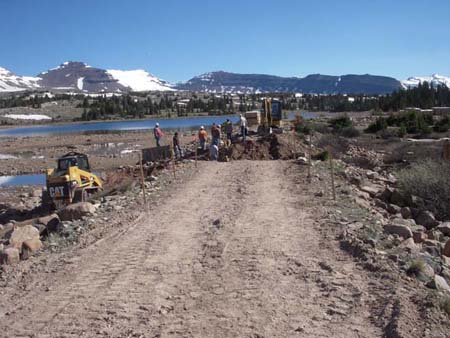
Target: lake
column 19, row 180
column 124, row 125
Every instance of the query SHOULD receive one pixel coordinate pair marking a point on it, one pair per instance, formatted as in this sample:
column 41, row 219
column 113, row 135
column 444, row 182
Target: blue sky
column 178, row 39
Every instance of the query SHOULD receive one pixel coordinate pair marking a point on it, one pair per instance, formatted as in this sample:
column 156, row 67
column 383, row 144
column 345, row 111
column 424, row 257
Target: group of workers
column 216, row 135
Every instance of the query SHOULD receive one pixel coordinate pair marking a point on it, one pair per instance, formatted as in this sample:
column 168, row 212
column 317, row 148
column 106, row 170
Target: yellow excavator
column 271, row 115
column 72, row 181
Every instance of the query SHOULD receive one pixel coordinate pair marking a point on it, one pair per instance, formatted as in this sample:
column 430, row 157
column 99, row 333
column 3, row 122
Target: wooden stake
column 446, row 151
column 333, row 188
column 142, row 178
column 309, row 159
column 196, row 151
column 173, row 159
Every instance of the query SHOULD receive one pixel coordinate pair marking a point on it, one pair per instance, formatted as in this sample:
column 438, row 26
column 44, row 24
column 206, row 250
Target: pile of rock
column 413, row 231
column 20, row 239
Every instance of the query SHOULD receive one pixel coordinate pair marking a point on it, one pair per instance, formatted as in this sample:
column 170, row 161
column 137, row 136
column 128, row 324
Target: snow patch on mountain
column 80, row 83
column 35, row 117
column 139, row 80
column 434, row 79
column 10, row 82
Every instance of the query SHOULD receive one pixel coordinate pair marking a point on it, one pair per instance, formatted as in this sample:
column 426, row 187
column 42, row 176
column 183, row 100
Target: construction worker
column 215, row 133
column 243, row 123
column 229, row 130
column 157, row 132
column 202, row 137
column 176, row 145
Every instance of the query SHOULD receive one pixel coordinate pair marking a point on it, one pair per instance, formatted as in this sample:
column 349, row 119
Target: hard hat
column 157, row 124
column 202, row 127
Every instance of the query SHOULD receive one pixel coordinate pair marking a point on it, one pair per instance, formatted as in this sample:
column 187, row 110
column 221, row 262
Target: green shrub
column 303, row 128
column 379, row 125
column 349, row 132
column 341, row 122
column 416, row 266
column 442, row 125
column 401, row 132
column 429, row 180
column 323, row 156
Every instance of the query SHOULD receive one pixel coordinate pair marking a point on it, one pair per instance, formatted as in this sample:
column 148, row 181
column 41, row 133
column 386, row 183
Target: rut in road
column 234, row 252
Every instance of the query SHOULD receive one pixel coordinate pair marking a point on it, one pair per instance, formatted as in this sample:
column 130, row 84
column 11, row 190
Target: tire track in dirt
column 233, row 253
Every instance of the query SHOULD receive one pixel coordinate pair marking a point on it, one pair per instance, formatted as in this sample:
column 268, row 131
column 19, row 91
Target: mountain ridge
column 80, row 77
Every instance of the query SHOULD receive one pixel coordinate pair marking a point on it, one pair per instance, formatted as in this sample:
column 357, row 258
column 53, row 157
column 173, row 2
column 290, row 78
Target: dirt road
column 234, row 253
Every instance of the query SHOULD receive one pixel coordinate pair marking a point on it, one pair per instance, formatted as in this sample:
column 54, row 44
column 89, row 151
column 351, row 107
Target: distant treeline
column 138, row 105
column 35, row 100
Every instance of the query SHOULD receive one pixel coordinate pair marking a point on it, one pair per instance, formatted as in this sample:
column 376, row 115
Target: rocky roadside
column 393, row 236
column 30, row 244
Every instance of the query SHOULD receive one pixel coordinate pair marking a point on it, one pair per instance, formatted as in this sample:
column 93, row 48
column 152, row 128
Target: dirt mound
column 270, row 147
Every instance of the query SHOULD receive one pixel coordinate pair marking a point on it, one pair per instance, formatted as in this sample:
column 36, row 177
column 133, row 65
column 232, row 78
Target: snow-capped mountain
column 434, row 79
column 10, row 82
column 140, row 80
column 80, row 77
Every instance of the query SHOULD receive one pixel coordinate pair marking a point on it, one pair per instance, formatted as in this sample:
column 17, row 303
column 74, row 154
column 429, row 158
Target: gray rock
column 22, row 234
column 432, row 250
column 393, row 209
column 405, row 212
column 445, row 228
column 426, row 219
column 409, row 245
column 439, row 283
column 398, row 229
column 10, row 256
column 372, row 190
column 446, row 250
column 419, row 236
column 50, row 222
column 76, row 211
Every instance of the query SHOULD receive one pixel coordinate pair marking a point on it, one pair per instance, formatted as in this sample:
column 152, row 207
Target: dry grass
column 429, row 181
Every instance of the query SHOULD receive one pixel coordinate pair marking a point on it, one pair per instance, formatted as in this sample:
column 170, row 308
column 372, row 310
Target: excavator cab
column 71, row 181
column 271, row 115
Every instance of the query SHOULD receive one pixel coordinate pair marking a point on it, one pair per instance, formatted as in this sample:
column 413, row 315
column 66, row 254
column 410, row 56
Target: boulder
column 35, row 193
column 373, row 175
column 409, row 245
column 406, row 212
column 393, row 209
column 419, row 236
column 439, row 283
column 372, row 190
column 446, row 250
column 22, row 234
column 50, row 222
column 426, row 219
column 76, row 211
column 379, row 203
column 432, row 242
column 445, row 228
column 398, row 229
column 10, row 256
column 32, row 245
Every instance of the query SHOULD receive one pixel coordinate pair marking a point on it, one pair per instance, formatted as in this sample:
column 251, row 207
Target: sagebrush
column 429, row 180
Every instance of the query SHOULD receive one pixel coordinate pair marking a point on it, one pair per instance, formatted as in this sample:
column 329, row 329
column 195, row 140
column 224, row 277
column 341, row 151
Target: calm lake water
column 178, row 123
column 19, row 180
